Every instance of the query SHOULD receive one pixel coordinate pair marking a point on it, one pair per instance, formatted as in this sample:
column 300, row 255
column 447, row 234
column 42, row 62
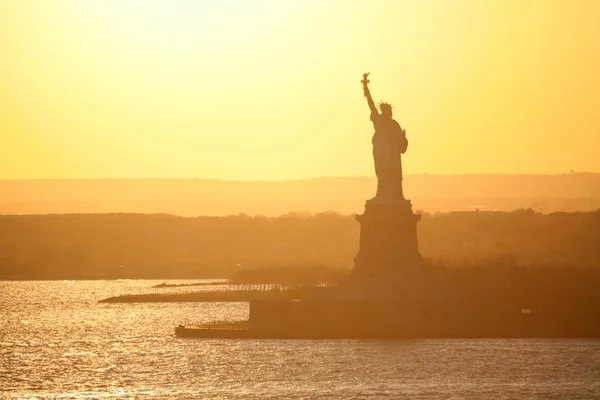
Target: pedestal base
column 388, row 245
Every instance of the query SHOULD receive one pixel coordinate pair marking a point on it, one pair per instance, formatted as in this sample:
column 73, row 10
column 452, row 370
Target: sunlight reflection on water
column 57, row 341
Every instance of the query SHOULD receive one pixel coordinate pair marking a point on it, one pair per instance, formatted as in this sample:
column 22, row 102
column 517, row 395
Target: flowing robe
column 389, row 142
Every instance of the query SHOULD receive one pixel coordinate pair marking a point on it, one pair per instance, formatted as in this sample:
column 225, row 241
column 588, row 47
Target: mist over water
column 57, row 341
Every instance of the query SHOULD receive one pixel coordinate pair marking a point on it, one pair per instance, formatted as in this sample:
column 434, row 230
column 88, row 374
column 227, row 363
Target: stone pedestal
column 388, row 245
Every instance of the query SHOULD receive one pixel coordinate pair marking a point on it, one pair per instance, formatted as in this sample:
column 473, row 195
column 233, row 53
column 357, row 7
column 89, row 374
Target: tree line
column 84, row 246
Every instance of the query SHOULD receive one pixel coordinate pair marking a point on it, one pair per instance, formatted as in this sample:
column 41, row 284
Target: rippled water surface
column 57, row 341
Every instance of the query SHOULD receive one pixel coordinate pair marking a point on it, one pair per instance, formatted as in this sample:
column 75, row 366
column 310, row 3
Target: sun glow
column 271, row 89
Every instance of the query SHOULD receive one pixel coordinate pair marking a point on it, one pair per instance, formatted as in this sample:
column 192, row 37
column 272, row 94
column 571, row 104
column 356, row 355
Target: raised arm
column 367, row 93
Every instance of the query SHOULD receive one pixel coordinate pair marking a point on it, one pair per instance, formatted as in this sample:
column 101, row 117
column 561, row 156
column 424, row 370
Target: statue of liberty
column 389, row 142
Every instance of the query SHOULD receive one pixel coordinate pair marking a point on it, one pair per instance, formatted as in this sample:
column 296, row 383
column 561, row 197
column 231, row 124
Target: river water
column 57, row 341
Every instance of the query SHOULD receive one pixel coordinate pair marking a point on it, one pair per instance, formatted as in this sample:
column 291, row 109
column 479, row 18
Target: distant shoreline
column 345, row 195
column 25, row 279
column 214, row 297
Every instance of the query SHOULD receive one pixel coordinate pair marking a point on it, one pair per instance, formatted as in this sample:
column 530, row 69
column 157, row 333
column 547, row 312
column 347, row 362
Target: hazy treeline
column 549, row 288
column 163, row 246
column 192, row 197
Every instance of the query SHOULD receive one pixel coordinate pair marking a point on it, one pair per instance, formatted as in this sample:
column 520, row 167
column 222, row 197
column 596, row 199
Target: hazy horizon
column 345, row 195
column 296, row 179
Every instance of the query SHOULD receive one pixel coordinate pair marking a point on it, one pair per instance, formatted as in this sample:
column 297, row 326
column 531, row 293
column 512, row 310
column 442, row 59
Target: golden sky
column 271, row 89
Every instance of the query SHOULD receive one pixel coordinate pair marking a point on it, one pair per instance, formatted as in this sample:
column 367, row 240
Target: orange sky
column 271, row 89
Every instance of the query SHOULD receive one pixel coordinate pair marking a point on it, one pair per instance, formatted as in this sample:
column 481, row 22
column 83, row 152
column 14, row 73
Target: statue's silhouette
column 388, row 245
column 389, row 142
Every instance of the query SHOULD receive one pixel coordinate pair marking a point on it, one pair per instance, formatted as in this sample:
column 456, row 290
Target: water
column 57, row 341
